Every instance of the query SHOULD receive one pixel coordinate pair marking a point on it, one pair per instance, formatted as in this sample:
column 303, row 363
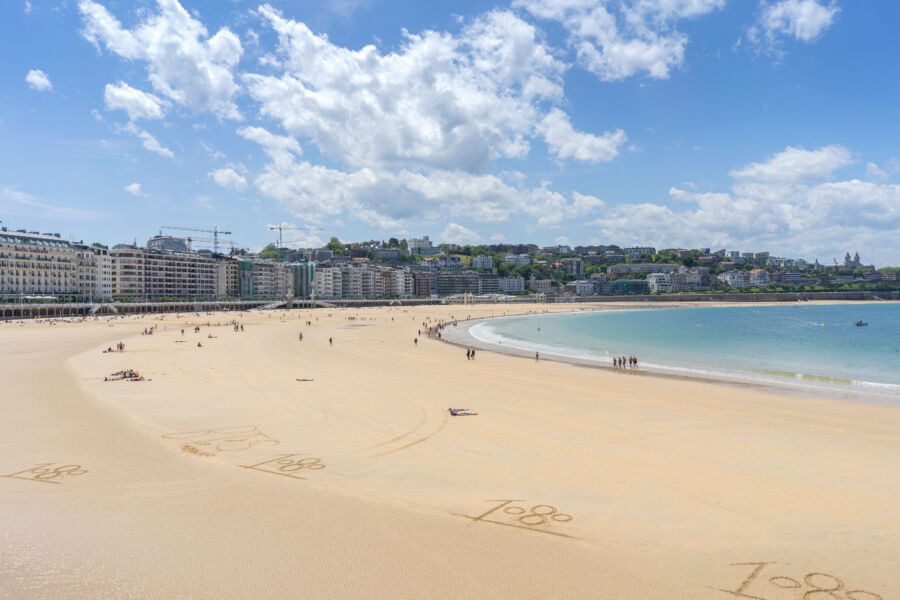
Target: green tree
column 99, row 245
column 336, row 246
column 270, row 251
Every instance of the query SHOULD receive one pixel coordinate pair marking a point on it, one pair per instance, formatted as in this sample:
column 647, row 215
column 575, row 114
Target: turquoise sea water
column 796, row 343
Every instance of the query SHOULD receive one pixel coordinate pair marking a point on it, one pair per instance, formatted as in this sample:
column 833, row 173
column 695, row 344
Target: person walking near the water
column 468, row 354
column 537, row 357
column 331, row 341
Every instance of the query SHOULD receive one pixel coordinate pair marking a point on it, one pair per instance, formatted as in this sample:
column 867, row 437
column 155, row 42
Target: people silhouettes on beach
column 468, row 354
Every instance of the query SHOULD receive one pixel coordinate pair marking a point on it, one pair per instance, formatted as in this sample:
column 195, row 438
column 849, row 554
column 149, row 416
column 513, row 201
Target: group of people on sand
column 120, row 347
column 125, row 375
column 622, row 362
column 470, row 353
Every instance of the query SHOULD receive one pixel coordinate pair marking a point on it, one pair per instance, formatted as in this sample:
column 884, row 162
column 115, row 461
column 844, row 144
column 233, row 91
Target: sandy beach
column 259, row 465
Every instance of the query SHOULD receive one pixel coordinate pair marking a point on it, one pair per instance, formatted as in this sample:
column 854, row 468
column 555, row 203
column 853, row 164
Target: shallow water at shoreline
column 796, row 345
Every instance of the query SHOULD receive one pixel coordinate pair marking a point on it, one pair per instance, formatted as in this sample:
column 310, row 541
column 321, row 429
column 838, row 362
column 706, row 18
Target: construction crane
column 230, row 243
column 280, row 229
column 215, row 231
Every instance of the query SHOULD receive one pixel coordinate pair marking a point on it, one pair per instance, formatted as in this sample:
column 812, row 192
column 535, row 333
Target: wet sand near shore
column 259, row 465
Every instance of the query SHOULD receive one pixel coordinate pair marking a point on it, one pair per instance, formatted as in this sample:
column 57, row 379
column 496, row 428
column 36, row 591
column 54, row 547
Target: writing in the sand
column 540, row 517
column 48, row 473
column 812, row 586
column 211, row 441
column 289, row 465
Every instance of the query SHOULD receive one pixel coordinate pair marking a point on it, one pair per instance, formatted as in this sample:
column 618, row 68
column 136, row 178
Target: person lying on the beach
column 304, row 379
column 461, row 412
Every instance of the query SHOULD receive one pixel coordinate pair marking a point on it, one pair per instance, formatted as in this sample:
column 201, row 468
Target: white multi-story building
column 414, row 244
column 143, row 273
column 37, row 264
column 517, row 260
column 636, row 252
column 512, row 284
column 227, row 280
column 104, row 279
column 584, row 287
column 658, row 282
column 329, row 283
column 402, row 284
column 684, row 281
column 483, row 262
column 735, row 279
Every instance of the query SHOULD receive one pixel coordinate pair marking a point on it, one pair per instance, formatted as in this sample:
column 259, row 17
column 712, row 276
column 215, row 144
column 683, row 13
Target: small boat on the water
column 861, row 323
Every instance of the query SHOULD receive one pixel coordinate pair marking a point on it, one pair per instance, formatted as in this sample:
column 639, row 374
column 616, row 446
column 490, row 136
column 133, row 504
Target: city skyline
column 759, row 126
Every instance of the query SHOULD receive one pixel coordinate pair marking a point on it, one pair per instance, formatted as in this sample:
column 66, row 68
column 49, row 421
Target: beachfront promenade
column 250, row 463
column 76, row 309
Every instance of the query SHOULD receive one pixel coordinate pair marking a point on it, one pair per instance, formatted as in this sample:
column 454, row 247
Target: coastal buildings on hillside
column 43, row 265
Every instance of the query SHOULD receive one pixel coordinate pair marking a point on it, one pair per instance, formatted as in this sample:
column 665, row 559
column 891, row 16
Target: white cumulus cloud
column 229, row 179
column 457, row 234
column 184, row 63
column 803, row 20
column 38, row 80
column 387, row 198
column 618, row 39
column 134, row 189
column 873, row 171
column 138, row 104
column 797, row 165
column 439, row 101
column 565, row 142
column 788, row 204
column 148, row 141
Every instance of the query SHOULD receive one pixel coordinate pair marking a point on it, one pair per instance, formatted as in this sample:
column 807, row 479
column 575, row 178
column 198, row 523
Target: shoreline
column 462, row 337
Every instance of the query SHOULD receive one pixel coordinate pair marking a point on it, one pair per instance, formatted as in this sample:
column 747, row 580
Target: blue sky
column 751, row 125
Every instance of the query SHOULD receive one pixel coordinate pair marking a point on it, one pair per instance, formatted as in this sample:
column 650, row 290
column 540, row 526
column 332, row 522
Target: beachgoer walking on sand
column 416, row 341
column 537, row 357
column 473, row 353
column 468, row 354
column 331, row 341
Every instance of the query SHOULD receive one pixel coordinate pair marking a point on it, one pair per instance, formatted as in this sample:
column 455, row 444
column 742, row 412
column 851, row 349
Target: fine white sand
column 650, row 487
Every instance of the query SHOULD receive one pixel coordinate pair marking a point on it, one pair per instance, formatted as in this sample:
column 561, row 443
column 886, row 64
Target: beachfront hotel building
column 149, row 274
column 658, row 282
column 227, row 281
column 37, row 264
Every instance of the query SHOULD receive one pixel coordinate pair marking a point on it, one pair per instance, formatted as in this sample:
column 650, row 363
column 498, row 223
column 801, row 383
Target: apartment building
column 264, row 278
column 658, row 282
column 483, row 262
column 511, row 285
column 37, row 264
